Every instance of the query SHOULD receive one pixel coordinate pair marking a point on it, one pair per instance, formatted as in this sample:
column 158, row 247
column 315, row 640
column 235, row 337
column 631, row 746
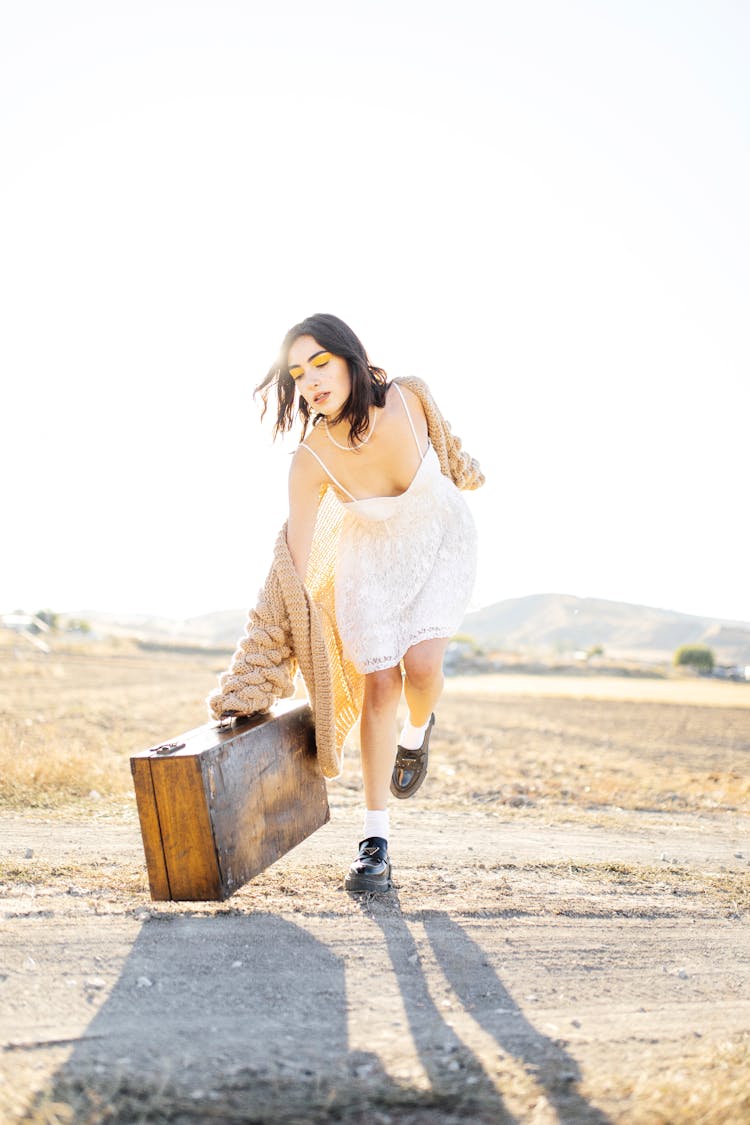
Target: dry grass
column 554, row 888
column 275, row 1100
column 70, row 721
column 679, row 688
column 707, row 1087
column 121, row 879
column 550, row 751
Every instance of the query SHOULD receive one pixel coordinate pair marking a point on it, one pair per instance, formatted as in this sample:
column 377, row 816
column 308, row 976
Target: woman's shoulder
column 417, row 390
column 416, row 394
column 306, row 460
column 413, row 384
column 413, row 389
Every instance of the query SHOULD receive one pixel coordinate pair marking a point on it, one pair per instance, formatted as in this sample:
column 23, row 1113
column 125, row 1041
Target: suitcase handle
column 166, row 748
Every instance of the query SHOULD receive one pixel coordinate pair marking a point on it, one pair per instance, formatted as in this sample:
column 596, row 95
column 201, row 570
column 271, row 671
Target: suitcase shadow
column 231, row 1017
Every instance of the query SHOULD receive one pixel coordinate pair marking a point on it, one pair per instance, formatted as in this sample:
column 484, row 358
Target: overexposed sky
column 539, row 207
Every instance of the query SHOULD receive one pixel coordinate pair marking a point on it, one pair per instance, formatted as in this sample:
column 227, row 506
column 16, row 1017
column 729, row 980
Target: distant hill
column 541, row 624
column 560, row 623
column 220, row 629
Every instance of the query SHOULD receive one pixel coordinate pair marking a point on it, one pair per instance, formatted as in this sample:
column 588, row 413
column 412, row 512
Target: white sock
column 376, row 823
column 411, row 737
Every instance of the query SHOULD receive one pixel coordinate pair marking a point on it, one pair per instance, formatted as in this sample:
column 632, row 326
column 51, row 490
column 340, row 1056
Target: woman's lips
column 321, row 398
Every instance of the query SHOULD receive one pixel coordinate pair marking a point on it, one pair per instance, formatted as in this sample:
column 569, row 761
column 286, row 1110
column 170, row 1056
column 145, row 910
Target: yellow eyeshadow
column 317, row 361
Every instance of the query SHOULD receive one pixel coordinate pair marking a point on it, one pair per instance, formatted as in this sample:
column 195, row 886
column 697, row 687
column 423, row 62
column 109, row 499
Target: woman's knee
column 383, row 689
column 424, row 665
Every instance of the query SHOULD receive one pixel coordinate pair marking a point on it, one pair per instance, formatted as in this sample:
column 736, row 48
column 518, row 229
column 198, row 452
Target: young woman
column 406, row 553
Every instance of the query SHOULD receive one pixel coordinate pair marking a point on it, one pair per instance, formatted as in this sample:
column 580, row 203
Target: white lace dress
column 405, row 567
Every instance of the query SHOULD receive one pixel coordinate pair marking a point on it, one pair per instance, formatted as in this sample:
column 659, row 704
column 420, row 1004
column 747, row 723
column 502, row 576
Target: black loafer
column 371, row 870
column 410, row 769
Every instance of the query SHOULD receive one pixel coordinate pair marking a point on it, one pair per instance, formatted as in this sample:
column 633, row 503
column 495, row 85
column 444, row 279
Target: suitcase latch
column 166, row 748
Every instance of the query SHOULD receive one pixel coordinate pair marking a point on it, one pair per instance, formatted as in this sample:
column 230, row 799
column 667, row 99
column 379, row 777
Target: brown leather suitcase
column 219, row 804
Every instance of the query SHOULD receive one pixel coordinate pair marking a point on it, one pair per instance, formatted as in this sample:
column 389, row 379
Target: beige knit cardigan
column 294, row 623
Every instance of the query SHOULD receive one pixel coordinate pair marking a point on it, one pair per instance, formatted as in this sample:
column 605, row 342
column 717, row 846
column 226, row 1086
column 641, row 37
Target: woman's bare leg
column 424, row 678
column 371, row 870
column 378, row 734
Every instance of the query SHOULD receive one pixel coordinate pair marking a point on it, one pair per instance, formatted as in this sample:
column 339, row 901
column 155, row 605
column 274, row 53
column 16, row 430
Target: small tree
column 699, row 657
column 466, row 639
column 78, row 625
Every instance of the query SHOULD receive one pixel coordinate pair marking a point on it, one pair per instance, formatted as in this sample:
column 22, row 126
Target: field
column 568, row 939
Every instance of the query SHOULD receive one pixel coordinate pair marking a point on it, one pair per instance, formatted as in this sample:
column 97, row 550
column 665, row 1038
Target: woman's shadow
column 466, row 968
column 244, row 1016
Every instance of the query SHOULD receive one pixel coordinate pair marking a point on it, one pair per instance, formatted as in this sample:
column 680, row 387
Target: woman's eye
column 319, row 360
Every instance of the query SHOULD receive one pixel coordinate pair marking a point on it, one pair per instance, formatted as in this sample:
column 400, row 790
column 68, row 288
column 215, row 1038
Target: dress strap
column 327, row 471
column 411, row 422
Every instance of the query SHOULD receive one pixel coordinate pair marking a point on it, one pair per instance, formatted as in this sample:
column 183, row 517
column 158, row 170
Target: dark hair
column 368, row 383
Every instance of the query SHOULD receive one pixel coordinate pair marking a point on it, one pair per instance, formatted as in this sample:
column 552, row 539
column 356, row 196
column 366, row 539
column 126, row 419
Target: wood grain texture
column 266, row 795
column 186, row 832
column 148, row 815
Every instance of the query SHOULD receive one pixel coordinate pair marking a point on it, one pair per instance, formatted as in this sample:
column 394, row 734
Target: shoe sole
column 359, row 884
column 404, row 794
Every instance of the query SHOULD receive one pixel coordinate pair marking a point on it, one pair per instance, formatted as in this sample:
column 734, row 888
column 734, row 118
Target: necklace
column 351, row 448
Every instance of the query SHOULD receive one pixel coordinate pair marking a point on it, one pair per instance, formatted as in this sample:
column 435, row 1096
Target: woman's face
column 321, row 378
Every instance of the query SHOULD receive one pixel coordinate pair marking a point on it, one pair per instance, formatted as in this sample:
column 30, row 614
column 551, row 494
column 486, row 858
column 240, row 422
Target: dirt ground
column 568, row 939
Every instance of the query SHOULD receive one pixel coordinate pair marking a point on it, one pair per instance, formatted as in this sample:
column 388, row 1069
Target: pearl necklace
column 351, row 448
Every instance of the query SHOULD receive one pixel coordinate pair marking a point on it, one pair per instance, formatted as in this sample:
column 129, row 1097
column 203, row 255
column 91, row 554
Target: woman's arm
column 305, row 481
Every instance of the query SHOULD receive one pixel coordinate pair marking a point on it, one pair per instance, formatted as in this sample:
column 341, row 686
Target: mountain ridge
column 543, row 624
column 560, row 623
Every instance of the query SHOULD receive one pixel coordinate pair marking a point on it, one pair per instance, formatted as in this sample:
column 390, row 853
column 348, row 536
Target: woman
column 406, row 548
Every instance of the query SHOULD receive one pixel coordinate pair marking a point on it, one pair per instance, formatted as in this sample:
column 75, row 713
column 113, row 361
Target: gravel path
column 521, row 971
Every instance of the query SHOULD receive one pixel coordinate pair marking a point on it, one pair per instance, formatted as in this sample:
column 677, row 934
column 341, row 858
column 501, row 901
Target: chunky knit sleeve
column 464, row 469
column 455, row 462
column 263, row 667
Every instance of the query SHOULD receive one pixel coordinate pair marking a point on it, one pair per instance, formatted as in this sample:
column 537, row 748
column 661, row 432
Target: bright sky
column 541, row 208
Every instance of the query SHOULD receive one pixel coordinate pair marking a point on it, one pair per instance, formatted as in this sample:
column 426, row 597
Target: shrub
column 699, row 657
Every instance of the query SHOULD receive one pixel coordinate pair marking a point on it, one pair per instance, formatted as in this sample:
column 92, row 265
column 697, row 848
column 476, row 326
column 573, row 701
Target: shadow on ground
column 243, row 1017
